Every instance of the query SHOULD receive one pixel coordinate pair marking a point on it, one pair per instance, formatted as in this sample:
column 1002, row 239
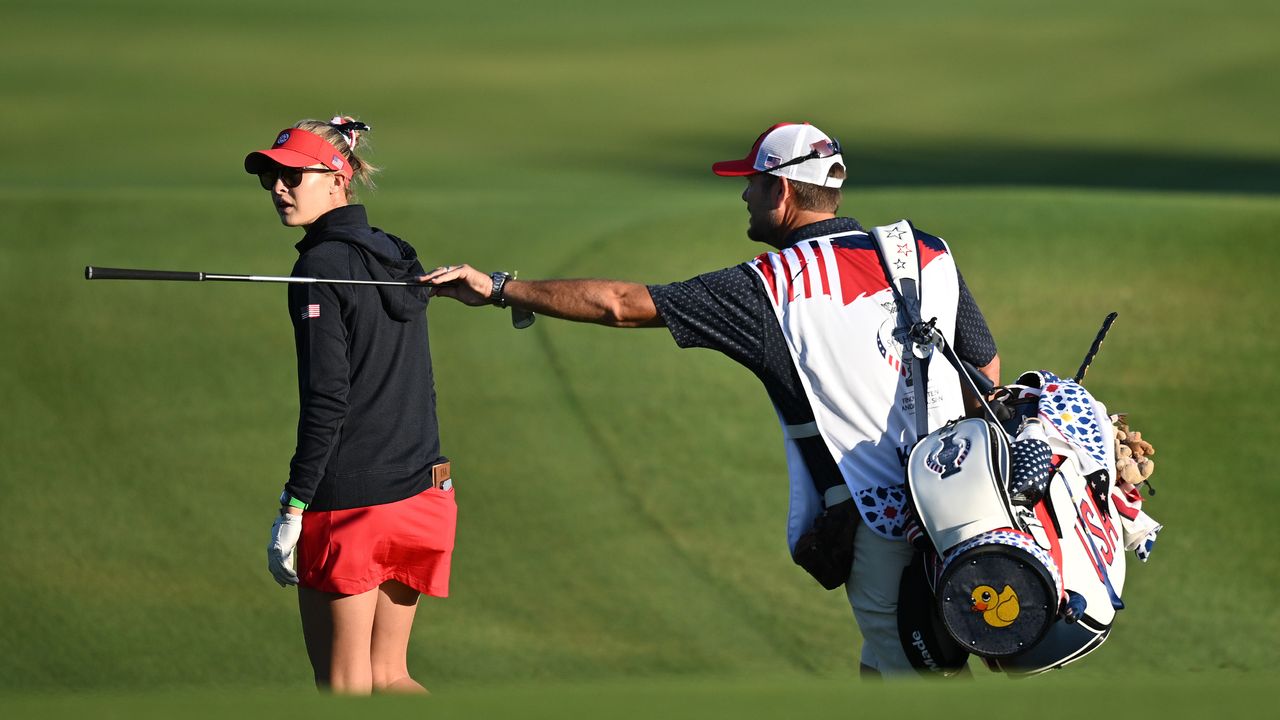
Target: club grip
column 982, row 381
column 101, row 273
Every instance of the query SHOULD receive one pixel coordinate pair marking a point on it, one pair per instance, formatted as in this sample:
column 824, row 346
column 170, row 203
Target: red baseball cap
column 295, row 148
column 797, row 151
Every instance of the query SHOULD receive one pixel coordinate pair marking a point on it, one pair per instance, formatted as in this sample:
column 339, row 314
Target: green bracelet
column 291, row 501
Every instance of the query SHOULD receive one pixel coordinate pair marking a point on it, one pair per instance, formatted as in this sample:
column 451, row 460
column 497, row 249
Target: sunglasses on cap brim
column 290, row 176
column 823, row 149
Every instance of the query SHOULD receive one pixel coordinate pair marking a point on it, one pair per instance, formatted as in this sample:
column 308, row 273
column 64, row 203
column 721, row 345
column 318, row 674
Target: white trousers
column 873, row 594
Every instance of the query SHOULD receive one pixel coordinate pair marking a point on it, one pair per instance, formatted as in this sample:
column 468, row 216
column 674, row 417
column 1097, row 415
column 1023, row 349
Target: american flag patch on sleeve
column 311, row 311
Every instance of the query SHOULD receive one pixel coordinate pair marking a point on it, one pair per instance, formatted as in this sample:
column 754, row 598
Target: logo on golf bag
column 997, row 610
column 946, row 460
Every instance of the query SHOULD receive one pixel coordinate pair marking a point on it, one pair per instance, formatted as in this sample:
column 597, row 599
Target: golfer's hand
column 460, row 282
column 284, row 538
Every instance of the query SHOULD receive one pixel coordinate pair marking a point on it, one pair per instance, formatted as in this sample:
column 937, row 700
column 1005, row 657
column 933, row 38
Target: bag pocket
column 825, row 551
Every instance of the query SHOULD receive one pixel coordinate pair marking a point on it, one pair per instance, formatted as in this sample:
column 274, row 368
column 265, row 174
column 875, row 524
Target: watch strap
column 497, row 296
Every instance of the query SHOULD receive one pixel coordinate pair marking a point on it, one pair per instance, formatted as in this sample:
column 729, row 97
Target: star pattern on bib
column 884, row 509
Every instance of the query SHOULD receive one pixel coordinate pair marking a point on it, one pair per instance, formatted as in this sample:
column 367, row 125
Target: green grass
column 622, row 501
column 1224, row 695
column 624, row 516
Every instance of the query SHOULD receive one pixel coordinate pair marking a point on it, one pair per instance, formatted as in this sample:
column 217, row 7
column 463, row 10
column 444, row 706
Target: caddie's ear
column 783, row 191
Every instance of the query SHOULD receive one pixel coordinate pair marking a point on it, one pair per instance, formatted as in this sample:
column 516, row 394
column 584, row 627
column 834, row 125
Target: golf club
column 520, row 319
column 1093, row 349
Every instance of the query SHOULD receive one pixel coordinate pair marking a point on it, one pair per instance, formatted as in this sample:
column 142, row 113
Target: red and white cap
column 295, row 148
column 796, row 151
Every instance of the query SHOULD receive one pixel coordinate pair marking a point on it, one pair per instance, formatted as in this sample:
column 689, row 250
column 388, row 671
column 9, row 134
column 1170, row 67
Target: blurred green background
column 622, row 501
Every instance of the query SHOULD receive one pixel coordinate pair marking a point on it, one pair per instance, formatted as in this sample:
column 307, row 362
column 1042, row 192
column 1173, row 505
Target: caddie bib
column 845, row 332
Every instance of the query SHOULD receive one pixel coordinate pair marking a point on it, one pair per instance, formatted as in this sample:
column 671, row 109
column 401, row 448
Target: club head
column 521, row 319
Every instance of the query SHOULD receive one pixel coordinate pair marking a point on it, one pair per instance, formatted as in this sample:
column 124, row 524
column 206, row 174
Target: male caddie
column 817, row 321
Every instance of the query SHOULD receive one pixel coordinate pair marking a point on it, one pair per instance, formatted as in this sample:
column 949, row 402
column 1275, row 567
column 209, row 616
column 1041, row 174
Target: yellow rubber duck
column 999, row 611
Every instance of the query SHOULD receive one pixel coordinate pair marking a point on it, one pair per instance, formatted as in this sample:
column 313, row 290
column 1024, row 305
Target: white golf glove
column 284, row 538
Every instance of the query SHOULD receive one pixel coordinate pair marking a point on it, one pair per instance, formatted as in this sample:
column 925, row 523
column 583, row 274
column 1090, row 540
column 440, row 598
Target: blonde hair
column 340, row 134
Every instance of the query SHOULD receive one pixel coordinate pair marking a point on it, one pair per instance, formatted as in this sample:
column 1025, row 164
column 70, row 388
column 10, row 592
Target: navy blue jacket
column 367, row 430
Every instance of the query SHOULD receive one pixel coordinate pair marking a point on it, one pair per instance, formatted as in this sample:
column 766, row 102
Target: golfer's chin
column 289, row 217
column 763, row 234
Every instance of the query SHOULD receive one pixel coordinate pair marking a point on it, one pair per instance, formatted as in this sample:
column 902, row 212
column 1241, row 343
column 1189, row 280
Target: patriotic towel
column 1148, row 543
column 1138, row 529
column 1078, row 419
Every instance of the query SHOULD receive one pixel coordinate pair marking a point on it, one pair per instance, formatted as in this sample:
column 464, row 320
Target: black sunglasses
column 825, row 150
column 291, row 177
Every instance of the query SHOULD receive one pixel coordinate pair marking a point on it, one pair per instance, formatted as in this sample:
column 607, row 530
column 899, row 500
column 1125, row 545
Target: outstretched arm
column 606, row 302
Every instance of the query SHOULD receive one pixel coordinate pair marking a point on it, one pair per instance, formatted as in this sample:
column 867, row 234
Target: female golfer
column 369, row 502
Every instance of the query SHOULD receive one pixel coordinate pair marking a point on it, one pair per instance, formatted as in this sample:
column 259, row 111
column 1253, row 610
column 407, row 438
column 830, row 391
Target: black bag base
column 996, row 601
column 929, row 648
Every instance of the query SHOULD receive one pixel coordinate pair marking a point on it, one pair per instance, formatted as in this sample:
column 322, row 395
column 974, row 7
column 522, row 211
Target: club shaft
column 306, row 280
column 521, row 319
column 101, row 273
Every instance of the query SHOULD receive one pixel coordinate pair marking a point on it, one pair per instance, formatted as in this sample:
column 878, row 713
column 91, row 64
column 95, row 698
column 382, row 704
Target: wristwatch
column 499, row 279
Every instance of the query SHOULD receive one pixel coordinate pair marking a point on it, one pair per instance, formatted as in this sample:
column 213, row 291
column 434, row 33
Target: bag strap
column 900, row 258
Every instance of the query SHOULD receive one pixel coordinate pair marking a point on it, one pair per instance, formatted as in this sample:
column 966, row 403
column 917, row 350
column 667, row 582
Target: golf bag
column 1023, row 531
column 1018, row 514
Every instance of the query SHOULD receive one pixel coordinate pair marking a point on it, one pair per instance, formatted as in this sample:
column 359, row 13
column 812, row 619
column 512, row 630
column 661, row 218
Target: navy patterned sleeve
column 973, row 338
column 721, row 310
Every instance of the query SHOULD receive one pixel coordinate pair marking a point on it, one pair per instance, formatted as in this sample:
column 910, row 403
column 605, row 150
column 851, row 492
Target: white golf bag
column 1028, row 527
column 1021, row 520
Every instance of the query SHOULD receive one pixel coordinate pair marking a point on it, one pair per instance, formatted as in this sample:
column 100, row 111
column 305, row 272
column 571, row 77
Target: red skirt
column 353, row 551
